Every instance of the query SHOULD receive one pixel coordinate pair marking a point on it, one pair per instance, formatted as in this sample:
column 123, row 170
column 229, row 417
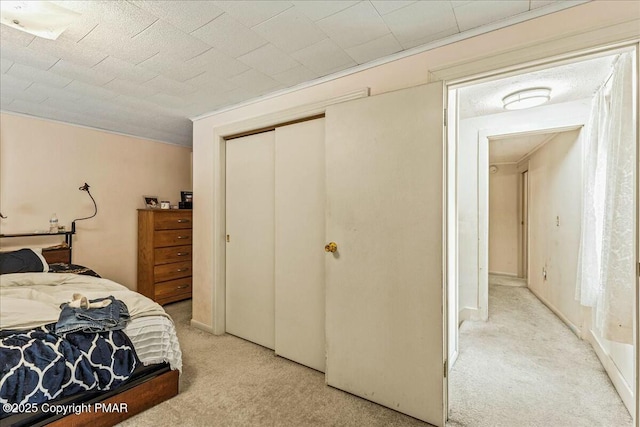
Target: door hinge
column 446, row 368
column 228, row 238
column 445, row 117
column 638, row 272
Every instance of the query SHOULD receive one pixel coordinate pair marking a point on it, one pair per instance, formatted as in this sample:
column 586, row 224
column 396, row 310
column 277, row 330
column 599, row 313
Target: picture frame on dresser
column 151, row 202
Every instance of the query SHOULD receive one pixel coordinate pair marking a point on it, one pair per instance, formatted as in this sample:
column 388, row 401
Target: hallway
column 524, row 367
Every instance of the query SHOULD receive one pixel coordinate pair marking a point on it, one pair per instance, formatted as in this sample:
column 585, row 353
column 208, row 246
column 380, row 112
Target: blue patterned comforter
column 37, row 365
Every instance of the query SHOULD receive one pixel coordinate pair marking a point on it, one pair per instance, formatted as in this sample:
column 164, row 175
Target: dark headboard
column 57, row 255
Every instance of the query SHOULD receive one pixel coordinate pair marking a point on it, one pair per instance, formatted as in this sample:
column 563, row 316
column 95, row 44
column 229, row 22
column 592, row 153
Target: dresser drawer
column 164, row 272
column 172, row 238
column 172, row 220
column 172, row 288
column 172, row 254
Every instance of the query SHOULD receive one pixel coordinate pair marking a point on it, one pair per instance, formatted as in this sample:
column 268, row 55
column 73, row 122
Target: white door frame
column 475, row 72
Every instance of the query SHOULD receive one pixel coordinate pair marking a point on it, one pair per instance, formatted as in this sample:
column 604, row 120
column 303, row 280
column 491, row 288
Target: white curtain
column 606, row 274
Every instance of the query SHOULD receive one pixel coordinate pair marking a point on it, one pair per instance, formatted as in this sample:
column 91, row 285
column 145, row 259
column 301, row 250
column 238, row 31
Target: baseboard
column 202, row 326
column 558, row 313
column 623, row 389
column 500, row 273
column 469, row 314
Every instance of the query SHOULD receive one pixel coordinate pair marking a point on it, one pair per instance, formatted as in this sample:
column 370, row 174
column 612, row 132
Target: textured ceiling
column 511, row 150
column 144, row 67
column 569, row 82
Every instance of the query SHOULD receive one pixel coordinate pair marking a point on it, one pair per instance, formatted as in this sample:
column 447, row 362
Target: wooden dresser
column 164, row 254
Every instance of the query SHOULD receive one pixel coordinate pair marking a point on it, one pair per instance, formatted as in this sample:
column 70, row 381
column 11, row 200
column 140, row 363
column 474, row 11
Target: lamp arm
column 95, row 212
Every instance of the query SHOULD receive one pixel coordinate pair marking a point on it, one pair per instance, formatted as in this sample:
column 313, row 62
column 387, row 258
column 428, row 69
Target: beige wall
column 503, row 220
column 42, row 164
column 564, row 31
column 555, row 215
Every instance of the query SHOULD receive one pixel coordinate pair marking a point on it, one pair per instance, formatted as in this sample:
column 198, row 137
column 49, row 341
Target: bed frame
column 138, row 395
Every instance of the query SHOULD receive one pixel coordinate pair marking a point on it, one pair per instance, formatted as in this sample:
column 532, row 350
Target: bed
column 29, row 300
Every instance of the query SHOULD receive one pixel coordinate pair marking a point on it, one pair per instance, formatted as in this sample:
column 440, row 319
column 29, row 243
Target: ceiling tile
column 38, row 89
column 89, row 91
column 316, row 10
column 5, row 64
column 290, row 31
column 68, row 50
column 46, row 111
column 219, row 63
column 534, row 4
column 165, row 38
column 354, row 26
column 168, row 100
column 255, row 82
column 168, row 67
column 169, row 86
column 295, row 76
column 251, row 13
column 103, row 39
column 269, row 60
column 185, row 15
column 84, row 74
column 24, row 95
column 15, row 36
column 384, row 7
column 26, row 56
column 420, row 20
column 378, row 48
column 5, row 101
column 124, row 70
column 121, row 17
column 477, row 13
column 230, row 36
column 17, row 83
column 430, row 38
column 324, row 57
column 25, row 72
column 209, row 81
column 126, row 87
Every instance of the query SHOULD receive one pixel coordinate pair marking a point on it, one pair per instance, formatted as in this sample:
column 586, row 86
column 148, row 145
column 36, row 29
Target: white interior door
column 250, row 230
column 299, row 243
column 384, row 325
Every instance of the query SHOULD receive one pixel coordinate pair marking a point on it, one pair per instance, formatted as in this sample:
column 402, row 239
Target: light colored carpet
column 524, row 367
column 500, row 279
column 227, row 381
column 504, row 377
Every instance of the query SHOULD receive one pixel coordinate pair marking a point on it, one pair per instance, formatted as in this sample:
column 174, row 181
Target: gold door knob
column 331, row 247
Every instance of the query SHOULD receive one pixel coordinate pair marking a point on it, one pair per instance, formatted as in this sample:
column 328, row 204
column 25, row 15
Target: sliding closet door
column 299, row 243
column 385, row 288
column 250, row 236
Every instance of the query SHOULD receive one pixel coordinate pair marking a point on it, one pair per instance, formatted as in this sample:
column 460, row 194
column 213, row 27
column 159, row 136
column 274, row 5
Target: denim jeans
column 110, row 318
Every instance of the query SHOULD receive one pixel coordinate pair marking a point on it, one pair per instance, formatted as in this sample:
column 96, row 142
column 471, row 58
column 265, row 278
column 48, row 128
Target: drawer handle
column 180, row 270
column 182, row 287
column 183, row 237
column 182, row 221
column 182, row 253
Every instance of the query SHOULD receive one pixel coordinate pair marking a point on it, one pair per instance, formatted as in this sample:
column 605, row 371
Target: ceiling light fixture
column 40, row 18
column 526, row 98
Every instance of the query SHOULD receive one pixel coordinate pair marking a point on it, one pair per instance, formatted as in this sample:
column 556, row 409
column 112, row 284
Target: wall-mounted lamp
column 85, row 187
column 40, row 18
column 526, row 98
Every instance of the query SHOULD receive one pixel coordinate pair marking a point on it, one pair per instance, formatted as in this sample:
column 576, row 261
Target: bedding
column 32, row 300
column 23, row 261
column 39, row 365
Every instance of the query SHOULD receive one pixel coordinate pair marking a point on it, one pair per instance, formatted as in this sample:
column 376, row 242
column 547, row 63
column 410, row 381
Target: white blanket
column 30, row 300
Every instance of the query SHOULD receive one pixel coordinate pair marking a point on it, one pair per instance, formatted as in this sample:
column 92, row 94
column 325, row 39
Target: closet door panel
column 250, row 229
column 299, row 243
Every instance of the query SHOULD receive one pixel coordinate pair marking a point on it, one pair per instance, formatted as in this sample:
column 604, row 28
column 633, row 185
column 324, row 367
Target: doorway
column 475, row 131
